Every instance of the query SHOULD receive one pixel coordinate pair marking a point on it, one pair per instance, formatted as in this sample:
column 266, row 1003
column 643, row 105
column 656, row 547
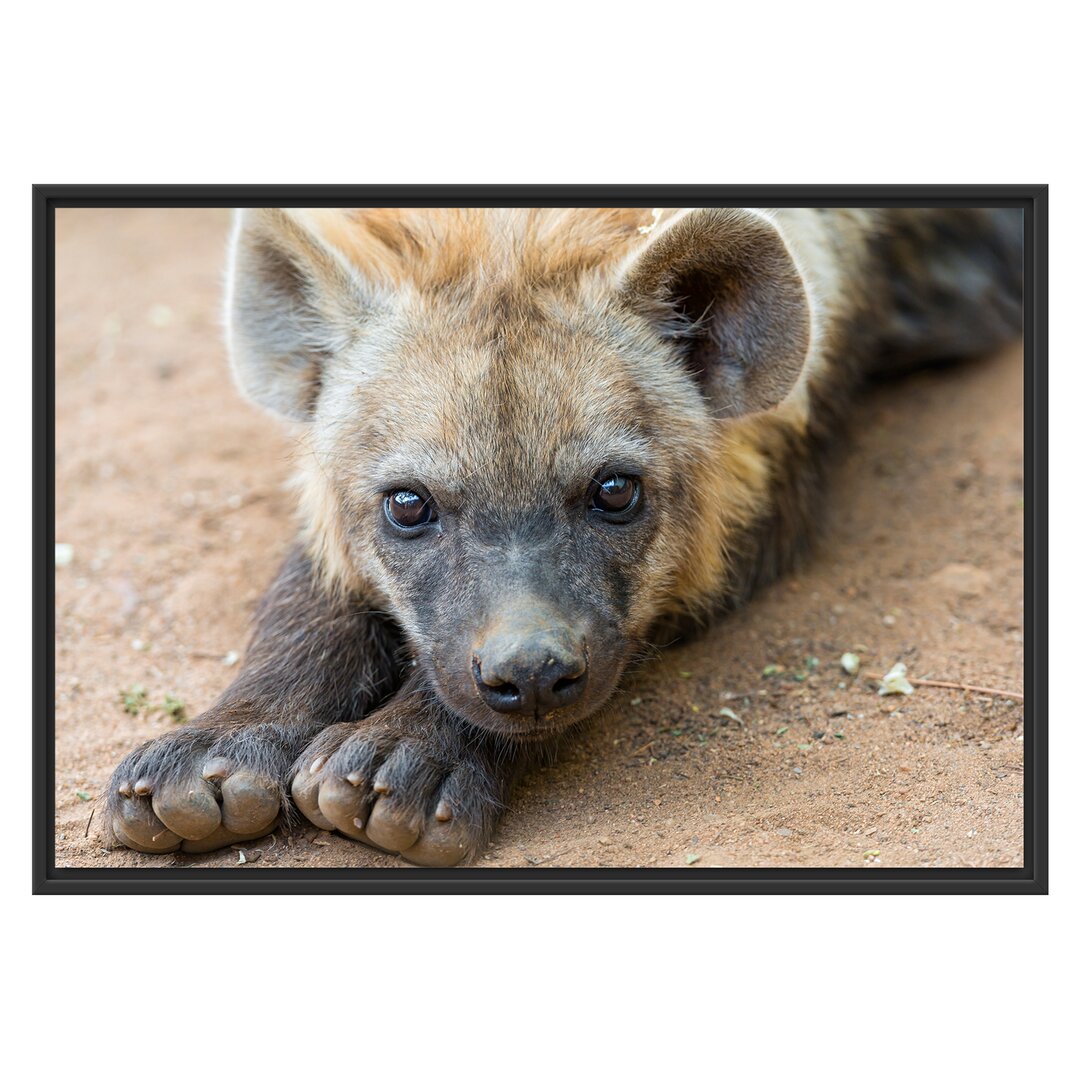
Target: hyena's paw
column 199, row 788
column 425, row 795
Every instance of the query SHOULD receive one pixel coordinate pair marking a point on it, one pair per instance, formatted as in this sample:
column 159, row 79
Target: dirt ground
column 170, row 491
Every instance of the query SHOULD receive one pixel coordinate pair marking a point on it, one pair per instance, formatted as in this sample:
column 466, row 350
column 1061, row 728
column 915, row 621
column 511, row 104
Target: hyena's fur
column 489, row 354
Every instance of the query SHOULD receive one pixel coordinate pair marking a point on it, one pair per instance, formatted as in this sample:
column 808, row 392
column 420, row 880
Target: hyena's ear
column 292, row 303
column 722, row 284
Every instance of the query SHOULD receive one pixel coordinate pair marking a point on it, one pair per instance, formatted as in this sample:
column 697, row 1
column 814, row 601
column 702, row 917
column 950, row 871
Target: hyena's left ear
column 292, row 303
column 722, row 285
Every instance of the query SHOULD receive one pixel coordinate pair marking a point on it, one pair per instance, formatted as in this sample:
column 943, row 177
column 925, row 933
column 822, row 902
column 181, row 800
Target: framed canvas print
column 540, row 539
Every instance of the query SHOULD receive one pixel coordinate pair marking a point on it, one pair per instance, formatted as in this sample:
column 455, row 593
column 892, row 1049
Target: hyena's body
column 530, row 438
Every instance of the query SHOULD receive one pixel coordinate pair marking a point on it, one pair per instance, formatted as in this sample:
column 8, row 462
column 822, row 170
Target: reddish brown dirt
column 170, row 491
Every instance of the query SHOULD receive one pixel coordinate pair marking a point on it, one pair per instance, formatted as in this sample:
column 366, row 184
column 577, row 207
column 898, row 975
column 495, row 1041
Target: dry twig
column 956, row 686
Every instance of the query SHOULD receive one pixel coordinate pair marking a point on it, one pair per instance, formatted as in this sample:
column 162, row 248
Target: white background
column 671, row 986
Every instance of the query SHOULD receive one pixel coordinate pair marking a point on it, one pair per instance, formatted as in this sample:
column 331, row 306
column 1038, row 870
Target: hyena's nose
column 535, row 673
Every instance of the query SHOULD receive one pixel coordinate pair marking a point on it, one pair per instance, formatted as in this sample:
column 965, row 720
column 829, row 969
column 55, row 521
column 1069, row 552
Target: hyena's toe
column 249, row 801
column 402, row 790
column 460, row 820
column 188, row 808
column 313, row 788
column 134, row 824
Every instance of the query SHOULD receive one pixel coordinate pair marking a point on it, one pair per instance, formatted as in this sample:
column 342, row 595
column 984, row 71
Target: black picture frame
column 1031, row 878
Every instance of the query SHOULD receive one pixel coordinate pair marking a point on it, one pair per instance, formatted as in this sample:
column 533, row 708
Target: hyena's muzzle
column 529, row 660
column 526, row 654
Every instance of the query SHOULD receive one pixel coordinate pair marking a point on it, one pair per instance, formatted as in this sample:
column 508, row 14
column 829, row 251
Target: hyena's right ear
column 292, row 303
column 722, row 285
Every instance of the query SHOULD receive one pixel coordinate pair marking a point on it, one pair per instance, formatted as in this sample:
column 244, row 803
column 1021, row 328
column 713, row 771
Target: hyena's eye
column 616, row 497
column 410, row 509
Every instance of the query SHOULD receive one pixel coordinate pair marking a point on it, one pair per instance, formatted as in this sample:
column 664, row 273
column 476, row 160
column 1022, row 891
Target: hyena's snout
column 531, row 662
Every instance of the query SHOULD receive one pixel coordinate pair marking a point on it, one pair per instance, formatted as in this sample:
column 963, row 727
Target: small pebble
column 65, row 553
column 895, row 681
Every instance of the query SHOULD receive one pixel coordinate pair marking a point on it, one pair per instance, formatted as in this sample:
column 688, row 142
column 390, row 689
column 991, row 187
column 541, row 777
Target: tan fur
column 477, row 349
column 485, row 272
column 437, row 249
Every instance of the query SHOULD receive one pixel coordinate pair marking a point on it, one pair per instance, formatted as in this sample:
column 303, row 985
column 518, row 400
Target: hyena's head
column 512, row 421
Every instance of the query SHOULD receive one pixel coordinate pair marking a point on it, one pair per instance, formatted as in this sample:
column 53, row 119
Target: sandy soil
column 170, row 491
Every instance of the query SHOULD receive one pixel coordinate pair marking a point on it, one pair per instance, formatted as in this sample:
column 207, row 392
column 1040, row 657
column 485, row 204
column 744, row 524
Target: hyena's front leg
column 412, row 779
column 314, row 660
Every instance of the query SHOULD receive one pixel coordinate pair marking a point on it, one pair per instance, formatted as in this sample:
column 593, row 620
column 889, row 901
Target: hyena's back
column 894, row 290
column 951, row 284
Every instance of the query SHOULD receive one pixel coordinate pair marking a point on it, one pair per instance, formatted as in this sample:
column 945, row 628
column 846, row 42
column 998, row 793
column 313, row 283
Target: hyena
column 531, row 439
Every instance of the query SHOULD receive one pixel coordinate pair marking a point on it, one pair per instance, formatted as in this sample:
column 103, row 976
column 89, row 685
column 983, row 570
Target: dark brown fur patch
column 313, row 660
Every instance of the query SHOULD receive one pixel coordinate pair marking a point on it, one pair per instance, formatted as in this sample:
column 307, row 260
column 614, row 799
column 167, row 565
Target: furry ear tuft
column 292, row 303
column 722, row 285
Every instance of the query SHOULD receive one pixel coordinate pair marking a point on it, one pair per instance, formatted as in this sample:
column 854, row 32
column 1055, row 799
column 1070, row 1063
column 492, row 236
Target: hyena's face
column 522, row 464
column 515, row 484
